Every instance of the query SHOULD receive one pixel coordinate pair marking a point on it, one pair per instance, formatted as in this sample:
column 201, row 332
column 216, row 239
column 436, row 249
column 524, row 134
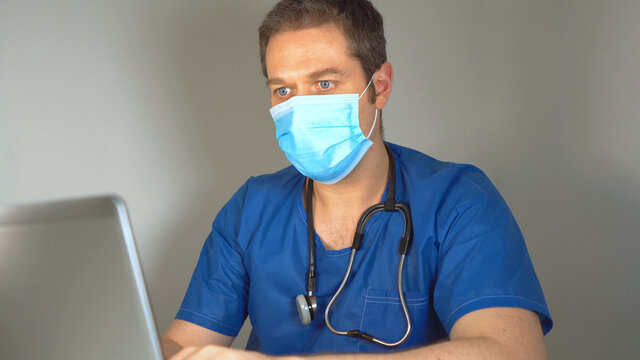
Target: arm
column 183, row 334
column 492, row 333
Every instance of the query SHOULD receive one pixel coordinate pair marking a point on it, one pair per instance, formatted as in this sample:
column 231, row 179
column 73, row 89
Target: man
column 468, row 285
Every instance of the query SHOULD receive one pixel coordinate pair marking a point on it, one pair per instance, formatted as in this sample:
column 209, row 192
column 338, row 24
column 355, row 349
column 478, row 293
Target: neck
column 362, row 188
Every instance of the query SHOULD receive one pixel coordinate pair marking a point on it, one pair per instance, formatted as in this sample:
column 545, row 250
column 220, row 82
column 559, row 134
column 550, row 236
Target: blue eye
column 283, row 91
column 325, row 84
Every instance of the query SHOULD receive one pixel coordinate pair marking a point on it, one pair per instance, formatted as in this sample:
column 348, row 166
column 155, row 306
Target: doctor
column 468, row 284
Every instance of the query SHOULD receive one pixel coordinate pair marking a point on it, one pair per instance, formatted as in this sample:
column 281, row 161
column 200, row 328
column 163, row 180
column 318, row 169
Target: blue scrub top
column 467, row 254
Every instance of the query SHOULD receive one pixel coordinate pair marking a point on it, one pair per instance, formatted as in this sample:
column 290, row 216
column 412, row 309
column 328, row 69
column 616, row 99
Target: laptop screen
column 71, row 285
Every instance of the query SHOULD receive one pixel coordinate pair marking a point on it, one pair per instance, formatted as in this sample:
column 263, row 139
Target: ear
column 382, row 81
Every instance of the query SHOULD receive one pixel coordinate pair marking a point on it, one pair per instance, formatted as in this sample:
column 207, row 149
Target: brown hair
column 359, row 21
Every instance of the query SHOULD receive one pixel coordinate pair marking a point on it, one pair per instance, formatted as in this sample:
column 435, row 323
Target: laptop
column 71, row 285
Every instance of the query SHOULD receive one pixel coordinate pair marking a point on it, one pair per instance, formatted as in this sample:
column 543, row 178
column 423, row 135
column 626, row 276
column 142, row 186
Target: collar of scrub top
column 389, row 205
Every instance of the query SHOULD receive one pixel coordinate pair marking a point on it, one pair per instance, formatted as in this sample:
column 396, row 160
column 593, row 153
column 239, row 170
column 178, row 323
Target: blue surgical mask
column 320, row 134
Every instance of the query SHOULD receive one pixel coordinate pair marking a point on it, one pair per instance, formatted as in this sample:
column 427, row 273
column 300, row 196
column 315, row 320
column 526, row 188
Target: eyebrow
column 314, row 75
column 327, row 71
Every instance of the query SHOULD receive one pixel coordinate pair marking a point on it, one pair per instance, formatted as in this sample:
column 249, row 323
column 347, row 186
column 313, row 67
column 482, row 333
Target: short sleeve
column 483, row 260
column 217, row 294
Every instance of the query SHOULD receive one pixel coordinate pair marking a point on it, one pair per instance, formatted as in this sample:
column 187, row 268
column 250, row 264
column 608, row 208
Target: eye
column 283, row 91
column 325, row 84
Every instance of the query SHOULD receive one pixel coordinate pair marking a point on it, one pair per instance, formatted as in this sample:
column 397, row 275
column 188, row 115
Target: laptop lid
column 71, row 285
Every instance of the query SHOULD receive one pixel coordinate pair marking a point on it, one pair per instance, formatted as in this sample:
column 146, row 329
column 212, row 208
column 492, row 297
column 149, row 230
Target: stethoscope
column 307, row 304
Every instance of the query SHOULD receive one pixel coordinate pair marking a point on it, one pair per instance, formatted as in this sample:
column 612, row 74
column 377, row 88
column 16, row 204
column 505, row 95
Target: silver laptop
column 71, row 286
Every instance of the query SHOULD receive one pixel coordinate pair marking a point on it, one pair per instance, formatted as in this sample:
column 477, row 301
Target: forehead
column 299, row 52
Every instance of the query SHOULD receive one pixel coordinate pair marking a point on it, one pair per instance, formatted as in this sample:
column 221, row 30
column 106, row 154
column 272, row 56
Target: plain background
column 164, row 103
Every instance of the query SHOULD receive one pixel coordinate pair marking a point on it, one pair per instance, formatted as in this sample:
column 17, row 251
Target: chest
column 336, row 232
column 369, row 302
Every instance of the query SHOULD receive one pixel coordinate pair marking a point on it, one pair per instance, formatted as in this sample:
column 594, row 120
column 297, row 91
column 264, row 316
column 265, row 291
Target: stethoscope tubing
column 389, row 205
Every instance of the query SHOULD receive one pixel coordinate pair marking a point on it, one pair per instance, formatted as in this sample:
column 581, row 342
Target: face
column 316, row 61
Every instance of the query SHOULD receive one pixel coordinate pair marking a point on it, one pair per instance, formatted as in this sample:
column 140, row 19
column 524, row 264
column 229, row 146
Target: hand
column 217, row 352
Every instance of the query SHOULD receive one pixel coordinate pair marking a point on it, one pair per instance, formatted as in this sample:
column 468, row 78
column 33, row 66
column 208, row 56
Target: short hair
column 360, row 22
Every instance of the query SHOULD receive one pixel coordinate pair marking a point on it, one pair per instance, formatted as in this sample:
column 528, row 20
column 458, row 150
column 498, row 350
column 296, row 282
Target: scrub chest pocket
column 382, row 316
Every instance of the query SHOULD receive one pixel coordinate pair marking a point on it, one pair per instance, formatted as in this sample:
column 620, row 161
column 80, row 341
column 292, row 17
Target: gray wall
column 163, row 102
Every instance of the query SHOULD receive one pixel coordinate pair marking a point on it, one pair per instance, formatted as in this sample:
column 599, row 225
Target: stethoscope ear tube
column 311, row 272
column 407, row 235
column 359, row 235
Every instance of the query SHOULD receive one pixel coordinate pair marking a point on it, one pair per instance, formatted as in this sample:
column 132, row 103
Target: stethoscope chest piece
column 307, row 306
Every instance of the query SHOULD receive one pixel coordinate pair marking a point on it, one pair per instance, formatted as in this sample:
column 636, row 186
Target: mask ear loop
column 376, row 115
column 365, row 89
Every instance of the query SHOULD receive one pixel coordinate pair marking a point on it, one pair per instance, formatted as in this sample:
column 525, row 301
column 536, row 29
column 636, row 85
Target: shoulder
column 281, row 179
column 261, row 194
column 265, row 191
column 425, row 174
column 443, row 193
column 269, row 187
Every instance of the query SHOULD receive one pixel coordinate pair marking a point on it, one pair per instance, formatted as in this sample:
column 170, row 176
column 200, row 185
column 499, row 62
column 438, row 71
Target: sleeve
column 483, row 260
column 217, row 294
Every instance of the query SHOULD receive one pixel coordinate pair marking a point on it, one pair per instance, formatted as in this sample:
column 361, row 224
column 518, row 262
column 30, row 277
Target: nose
column 303, row 90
